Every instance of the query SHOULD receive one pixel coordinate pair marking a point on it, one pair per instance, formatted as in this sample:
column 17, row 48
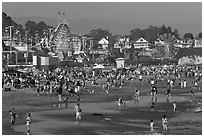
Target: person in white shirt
column 164, row 123
column 174, row 106
column 151, row 125
column 78, row 111
column 184, row 84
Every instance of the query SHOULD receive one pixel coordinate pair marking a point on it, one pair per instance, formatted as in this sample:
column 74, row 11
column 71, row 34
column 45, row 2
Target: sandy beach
column 101, row 115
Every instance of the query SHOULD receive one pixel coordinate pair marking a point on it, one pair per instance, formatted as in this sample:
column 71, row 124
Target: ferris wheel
column 167, row 45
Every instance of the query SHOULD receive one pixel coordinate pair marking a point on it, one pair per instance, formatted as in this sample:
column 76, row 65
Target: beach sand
column 101, row 115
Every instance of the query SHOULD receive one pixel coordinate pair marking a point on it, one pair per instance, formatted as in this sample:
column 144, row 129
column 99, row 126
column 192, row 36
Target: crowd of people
column 73, row 81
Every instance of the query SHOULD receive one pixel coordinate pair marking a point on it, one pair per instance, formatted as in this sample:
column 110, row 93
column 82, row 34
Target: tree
column 40, row 27
column 136, row 33
column 98, row 34
column 169, row 30
column 200, row 35
column 7, row 21
column 176, row 33
column 163, row 30
column 188, row 36
column 31, row 26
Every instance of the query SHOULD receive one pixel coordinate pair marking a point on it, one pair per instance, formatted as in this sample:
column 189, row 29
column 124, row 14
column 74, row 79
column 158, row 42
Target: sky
column 148, row 13
column 127, row 12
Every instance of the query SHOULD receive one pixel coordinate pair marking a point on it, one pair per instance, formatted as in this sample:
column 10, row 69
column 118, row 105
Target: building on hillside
column 104, row 43
column 16, row 55
column 123, row 43
column 184, row 43
column 76, row 42
column 141, row 43
column 198, row 43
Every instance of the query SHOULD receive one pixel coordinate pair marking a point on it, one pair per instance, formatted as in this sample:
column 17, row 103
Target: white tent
column 185, row 61
column 98, row 67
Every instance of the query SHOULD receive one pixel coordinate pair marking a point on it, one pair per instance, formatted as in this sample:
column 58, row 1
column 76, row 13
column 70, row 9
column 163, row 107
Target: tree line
column 41, row 28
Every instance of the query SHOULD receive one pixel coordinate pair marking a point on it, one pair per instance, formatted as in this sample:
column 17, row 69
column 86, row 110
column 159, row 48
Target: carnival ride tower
column 60, row 40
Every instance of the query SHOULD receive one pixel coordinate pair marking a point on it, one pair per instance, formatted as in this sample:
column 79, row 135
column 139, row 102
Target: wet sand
column 106, row 118
column 101, row 115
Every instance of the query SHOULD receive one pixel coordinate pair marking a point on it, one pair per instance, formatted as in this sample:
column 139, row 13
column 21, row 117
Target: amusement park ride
column 62, row 41
column 166, row 46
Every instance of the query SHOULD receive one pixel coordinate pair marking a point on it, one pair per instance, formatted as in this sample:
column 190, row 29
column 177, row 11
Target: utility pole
column 10, row 27
column 26, row 54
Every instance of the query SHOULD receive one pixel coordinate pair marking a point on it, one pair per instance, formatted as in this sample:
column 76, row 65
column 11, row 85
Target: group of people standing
column 13, row 116
column 73, row 81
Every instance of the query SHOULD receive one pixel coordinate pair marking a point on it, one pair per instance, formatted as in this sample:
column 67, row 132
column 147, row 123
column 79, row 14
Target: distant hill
column 85, row 25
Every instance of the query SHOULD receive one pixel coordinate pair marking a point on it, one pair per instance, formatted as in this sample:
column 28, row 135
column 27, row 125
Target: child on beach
column 151, row 125
column 28, row 123
column 174, row 106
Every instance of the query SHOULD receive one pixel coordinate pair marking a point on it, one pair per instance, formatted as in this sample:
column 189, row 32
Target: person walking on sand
column 152, row 106
column 140, row 78
column 13, row 117
column 152, row 125
column 59, row 90
column 174, row 106
column 136, row 95
column 181, row 83
column 78, row 111
column 164, row 122
column 28, row 123
column 121, row 103
column 168, row 94
column 184, row 84
column 38, row 89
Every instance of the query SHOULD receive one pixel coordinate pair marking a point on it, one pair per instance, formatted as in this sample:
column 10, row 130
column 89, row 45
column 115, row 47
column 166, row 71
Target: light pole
column 10, row 27
column 26, row 55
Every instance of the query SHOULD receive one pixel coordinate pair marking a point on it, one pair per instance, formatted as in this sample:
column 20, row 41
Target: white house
column 104, row 42
column 141, row 43
column 120, row 62
column 123, row 43
column 79, row 59
column 117, row 46
column 198, row 43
